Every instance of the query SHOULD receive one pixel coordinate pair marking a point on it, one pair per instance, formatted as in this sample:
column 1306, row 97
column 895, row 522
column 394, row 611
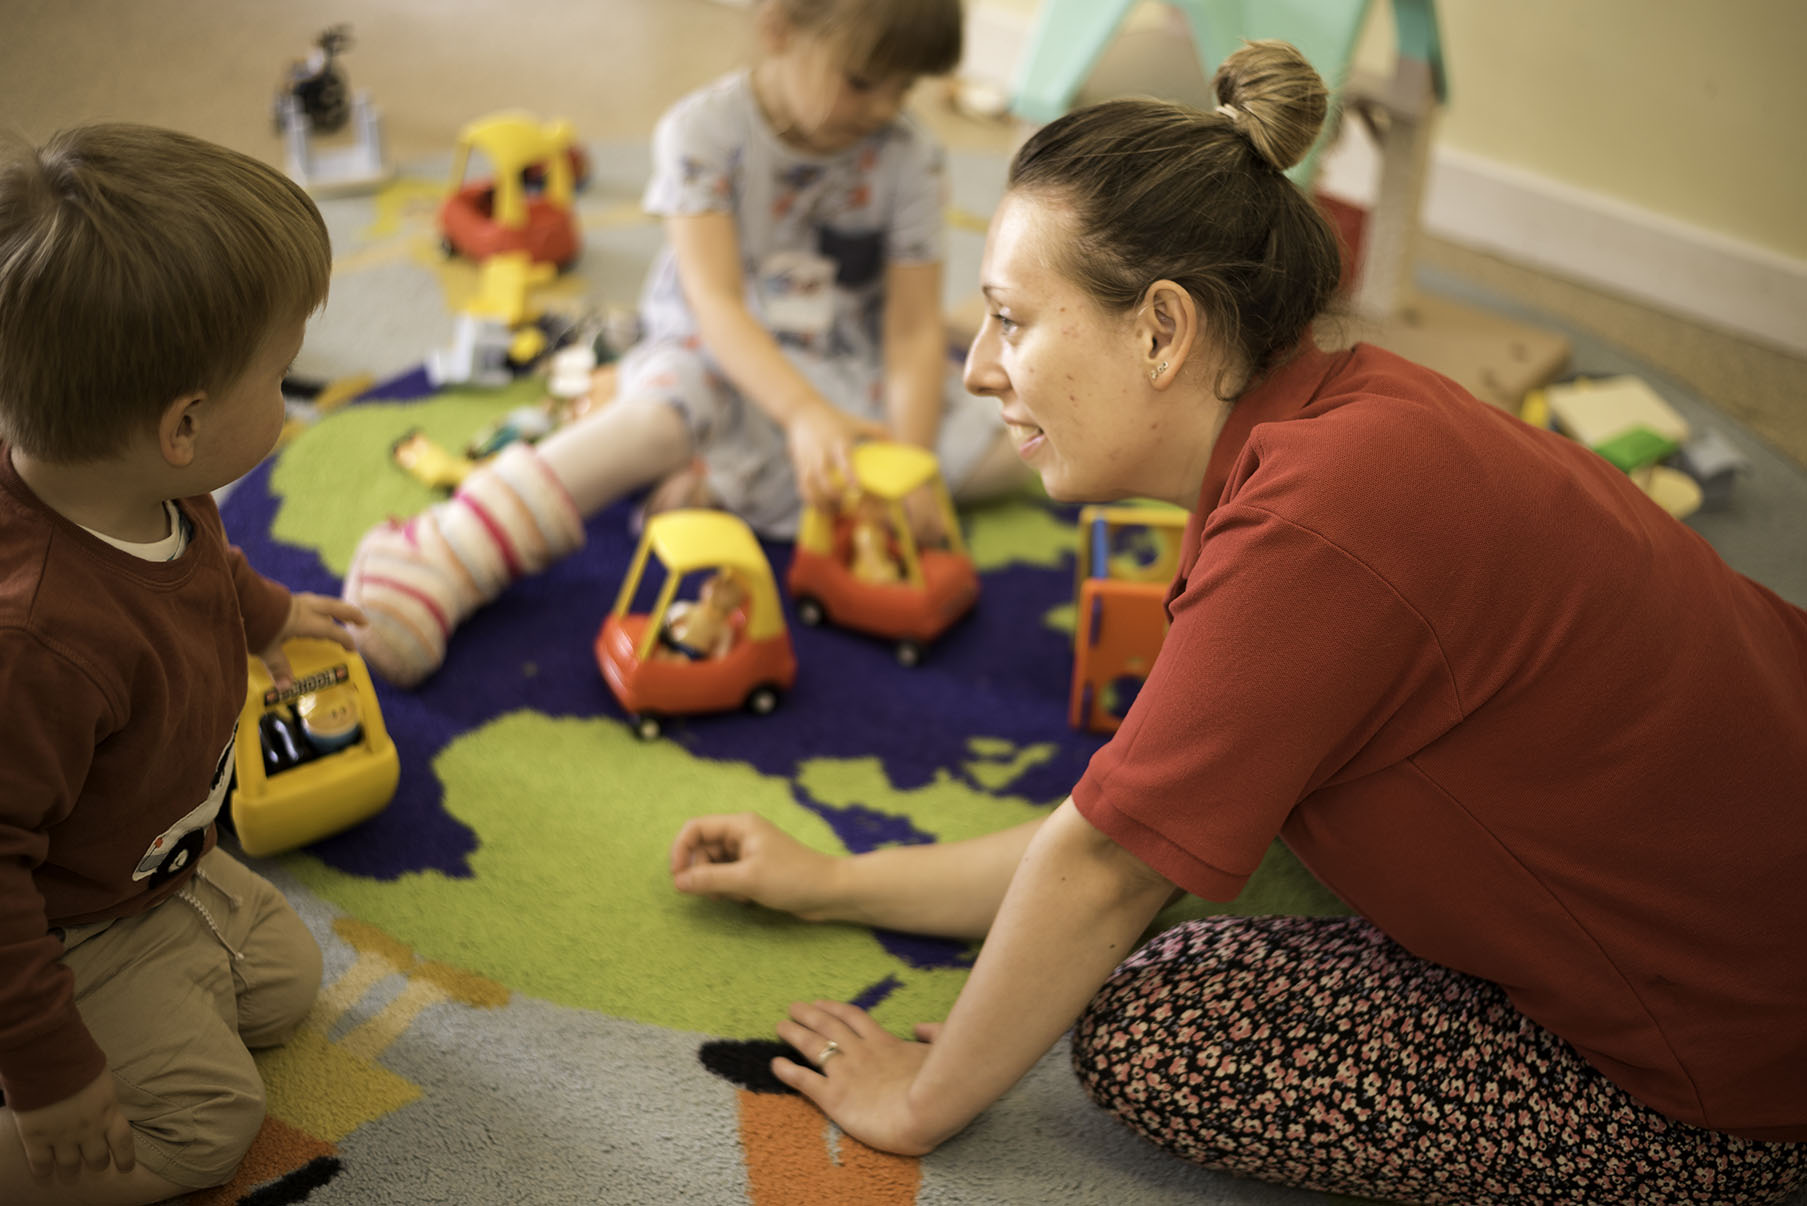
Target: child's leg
column 1316, row 1052
column 277, row 969
column 417, row 581
column 162, row 994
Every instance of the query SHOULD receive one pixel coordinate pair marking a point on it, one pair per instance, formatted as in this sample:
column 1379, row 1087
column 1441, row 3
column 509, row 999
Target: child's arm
column 310, row 615
column 818, row 433
column 272, row 615
column 915, row 342
column 54, row 1074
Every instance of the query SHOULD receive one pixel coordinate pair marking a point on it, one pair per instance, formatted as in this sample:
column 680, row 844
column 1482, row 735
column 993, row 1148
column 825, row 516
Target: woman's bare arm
column 946, row 889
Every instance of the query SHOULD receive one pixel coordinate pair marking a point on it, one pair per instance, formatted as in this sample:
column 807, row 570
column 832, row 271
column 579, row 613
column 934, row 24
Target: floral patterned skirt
column 1318, row 1053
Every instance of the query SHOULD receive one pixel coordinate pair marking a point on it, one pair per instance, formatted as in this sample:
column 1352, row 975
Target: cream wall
column 1696, row 111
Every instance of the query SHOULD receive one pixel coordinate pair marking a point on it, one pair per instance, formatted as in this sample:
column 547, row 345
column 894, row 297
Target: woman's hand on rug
column 310, row 615
column 859, row 1074
column 745, row 857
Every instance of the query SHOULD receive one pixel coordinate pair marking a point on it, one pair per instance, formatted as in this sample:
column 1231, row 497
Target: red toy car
column 734, row 652
column 486, row 217
column 858, row 566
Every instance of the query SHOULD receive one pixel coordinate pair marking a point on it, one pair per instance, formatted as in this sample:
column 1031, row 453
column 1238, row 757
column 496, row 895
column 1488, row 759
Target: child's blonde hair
column 881, row 38
column 138, row 265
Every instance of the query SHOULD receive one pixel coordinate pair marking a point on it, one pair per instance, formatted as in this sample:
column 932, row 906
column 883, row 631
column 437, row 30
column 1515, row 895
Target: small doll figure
column 871, row 559
column 704, row 629
column 329, row 718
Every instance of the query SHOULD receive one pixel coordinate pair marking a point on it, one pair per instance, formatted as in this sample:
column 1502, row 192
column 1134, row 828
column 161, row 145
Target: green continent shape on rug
column 335, row 480
column 1017, row 531
column 1280, row 885
column 570, row 899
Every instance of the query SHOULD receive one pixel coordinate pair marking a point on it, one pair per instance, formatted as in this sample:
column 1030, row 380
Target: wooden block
column 1596, row 411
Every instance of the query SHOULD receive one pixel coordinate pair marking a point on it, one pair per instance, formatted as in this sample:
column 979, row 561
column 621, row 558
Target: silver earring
column 1154, row 374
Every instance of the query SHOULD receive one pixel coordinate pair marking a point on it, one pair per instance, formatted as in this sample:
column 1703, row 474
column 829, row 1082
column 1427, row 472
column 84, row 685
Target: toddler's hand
column 310, row 615
column 924, row 513
column 85, row 1130
column 821, row 440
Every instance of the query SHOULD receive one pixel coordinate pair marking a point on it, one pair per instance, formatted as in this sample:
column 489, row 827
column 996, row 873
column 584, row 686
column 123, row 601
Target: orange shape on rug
column 794, row 1158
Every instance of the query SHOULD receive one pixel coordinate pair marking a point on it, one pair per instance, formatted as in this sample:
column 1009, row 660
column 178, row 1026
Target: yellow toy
column 496, row 328
column 858, row 566
column 646, row 656
column 312, row 759
column 1628, row 423
column 527, row 205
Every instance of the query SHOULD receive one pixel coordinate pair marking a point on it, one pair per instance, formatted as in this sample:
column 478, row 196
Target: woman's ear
column 1167, row 331
column 178, row 430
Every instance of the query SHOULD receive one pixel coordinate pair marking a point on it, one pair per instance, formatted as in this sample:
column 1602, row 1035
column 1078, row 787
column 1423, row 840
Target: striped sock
column 418, row 580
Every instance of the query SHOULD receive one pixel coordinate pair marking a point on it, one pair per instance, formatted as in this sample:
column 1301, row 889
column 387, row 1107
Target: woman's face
column 1068, row 375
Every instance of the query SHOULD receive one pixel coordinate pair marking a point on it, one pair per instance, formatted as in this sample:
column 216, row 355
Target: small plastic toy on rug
column 497, row 333
column 838, row 573
column 527, row 205
column 311, row 759
column 1629, row 424
column 727, row 649
column 1127, row 558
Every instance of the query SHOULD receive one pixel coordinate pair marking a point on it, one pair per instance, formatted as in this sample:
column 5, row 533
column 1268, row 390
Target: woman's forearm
column 947, row 889
column 1075, row 909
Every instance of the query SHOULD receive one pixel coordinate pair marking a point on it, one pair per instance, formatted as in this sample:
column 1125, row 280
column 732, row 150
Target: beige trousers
column 177, row 998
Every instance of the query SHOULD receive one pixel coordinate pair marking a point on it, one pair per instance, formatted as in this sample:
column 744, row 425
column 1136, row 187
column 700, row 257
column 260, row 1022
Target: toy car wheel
column 647, row 727
column 448, row 249
column 763, row 700
column 810, row 611
column 909, row 653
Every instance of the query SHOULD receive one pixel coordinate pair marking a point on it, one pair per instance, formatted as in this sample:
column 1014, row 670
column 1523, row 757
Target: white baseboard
column 1596, row 240
column 1520, row 216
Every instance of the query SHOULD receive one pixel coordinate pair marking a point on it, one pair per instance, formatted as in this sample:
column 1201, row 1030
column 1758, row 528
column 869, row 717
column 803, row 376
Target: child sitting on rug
column 153, row 291
column 796, row 309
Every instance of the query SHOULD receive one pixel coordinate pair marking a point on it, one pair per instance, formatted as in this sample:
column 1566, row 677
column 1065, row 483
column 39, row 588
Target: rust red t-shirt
column 1508, row 709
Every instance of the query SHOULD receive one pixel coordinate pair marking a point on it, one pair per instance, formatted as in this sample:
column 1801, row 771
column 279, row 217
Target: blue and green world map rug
column 518, row 1008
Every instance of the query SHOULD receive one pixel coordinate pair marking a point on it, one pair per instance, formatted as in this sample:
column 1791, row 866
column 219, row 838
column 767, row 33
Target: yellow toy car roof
column 687, row 541
column 892, row 471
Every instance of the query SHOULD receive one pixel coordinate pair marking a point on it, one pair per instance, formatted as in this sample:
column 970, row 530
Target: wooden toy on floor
column 1128, row 556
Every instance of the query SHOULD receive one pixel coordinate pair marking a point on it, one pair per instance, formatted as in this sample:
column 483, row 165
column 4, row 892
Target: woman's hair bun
column 1275, row 99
